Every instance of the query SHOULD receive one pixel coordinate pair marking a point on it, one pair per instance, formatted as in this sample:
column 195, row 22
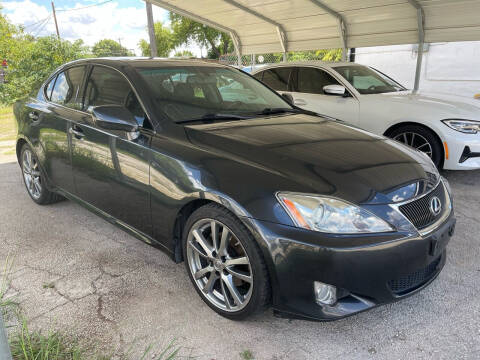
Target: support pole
column 55, row 18
column 151, row 30
column 4, row 346
column 421, row 42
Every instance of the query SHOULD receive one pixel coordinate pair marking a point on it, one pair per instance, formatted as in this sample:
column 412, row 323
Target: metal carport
column 265, row 26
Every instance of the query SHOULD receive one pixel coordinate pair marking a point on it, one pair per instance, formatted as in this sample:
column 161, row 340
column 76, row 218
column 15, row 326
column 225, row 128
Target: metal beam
column 282, row 35
column 421, row 41
column 233, row 34
column 342, row 25
column 151, row 31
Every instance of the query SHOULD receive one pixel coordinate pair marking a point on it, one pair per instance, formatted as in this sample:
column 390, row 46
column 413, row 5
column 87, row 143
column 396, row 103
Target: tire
column 34, row 178
column 419, row 134
column 222, row 282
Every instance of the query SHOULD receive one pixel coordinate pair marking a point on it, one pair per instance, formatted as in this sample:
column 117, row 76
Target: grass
column 28, row 345
column 246, row 355
column 8, row 125
column 8, row 132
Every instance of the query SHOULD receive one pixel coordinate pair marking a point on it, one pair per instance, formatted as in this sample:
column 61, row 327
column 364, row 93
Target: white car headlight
column 464, row 126
column 330, row 215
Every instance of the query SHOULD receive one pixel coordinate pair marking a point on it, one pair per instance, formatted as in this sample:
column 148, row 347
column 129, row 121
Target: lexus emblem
column 435, row 206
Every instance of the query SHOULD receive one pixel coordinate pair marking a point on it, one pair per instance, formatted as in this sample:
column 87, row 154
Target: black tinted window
column 258, row 76
column 277, row 79
column 67, row 89
column 312, row 80
column 108, row 87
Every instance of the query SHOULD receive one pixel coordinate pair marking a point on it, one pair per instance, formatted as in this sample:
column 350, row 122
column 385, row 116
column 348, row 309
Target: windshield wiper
column 215, row 117
column 272, row 111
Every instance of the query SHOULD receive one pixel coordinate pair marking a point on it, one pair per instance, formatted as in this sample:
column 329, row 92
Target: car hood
column 449, row 106
column 321, row 156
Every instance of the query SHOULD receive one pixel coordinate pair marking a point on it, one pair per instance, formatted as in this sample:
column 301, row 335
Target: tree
column 184, row 53
column 31, row 60
column 107, row 47
column 164, row 40
column 185, row 31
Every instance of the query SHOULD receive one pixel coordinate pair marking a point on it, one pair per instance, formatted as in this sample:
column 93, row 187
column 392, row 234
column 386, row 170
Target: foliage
column 164, row 40
column 108, row 47
column 184, row 53
column 246, row 355
column 31, row 60
column 185, row 31
column 28, row 345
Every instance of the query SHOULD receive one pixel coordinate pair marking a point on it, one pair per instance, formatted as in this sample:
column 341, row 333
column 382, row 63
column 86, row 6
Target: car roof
column 324, row 64
column 145, row 62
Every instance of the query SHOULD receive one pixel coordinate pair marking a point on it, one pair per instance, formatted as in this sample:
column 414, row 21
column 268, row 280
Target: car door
column 111, row 168
column 308, row 83
column 53, row 119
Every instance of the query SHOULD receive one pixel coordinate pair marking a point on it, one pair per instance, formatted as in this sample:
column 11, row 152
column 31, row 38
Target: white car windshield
column 367, row 80
column 194, row 93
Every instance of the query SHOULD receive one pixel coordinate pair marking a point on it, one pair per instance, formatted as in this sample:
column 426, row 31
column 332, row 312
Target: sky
column 120, row 20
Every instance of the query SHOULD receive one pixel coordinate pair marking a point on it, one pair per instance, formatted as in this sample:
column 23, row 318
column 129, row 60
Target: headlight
column 330, row 215
column 464, row 126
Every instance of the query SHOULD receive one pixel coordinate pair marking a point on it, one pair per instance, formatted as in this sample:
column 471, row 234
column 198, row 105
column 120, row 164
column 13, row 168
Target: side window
column 49, row 87
column 312, row 80
column 259, row 76
column 277, row 78
column 108, row 87
column 67, row 89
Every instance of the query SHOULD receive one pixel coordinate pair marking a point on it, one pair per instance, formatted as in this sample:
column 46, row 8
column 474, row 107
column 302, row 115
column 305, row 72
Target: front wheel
column 224, row 263
column 421, row 139
column 34, row 179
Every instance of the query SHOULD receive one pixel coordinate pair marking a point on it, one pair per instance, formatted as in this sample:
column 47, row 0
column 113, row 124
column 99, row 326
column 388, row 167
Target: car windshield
column 367, row 80
column 198, row 93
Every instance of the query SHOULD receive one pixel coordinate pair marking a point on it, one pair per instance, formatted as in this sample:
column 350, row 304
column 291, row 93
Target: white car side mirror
column 334, row 90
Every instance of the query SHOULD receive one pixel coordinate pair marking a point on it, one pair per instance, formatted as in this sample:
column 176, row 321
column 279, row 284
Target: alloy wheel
column 219, row 265
column 416, row 141
column 31, row 174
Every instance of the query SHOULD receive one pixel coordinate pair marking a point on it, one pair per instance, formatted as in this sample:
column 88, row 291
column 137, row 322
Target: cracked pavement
column 75, row 272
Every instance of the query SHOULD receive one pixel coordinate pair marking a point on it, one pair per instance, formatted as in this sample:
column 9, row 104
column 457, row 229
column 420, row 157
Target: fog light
column 324, row 294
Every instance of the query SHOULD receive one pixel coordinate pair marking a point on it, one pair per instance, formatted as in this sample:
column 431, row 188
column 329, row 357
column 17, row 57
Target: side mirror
column 114, row 117
column 288, row 97
column 334, row 90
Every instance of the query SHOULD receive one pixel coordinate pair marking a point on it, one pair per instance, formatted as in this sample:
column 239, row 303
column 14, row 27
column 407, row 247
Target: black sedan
column 265, row 203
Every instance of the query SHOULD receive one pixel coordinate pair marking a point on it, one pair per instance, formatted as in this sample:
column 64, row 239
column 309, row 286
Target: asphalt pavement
column 75, row 272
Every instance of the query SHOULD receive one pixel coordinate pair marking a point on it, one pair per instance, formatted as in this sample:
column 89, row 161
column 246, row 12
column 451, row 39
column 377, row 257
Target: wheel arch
column 20, row 143
column 413, row 123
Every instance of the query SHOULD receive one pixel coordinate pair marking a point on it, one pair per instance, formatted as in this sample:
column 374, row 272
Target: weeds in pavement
column 29, row 345
column 246, row 355
column 169, row 353
column 26, row 344
column 6, row 302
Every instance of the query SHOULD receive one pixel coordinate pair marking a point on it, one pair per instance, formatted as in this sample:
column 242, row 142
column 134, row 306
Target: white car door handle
column 300, row 102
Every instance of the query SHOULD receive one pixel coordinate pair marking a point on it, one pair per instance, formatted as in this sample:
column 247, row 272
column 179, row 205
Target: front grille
column 410, row 282
column 418, row 211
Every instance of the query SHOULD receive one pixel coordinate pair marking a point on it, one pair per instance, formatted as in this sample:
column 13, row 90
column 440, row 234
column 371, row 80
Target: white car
column 446, row 127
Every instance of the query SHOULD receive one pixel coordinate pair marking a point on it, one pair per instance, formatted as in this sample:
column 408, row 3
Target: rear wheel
column 34, row 179
column 224, row 263
column 421, row 139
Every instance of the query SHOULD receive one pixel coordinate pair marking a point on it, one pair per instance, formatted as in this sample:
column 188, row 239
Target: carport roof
column 264, row 26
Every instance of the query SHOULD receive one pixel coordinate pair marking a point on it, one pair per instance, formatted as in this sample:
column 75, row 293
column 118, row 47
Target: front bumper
column 458, row 143
column 367, row 275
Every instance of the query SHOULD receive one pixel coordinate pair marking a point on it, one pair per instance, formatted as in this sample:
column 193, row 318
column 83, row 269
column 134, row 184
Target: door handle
column 77, row 132
column 33, row 116
column 300, row 102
